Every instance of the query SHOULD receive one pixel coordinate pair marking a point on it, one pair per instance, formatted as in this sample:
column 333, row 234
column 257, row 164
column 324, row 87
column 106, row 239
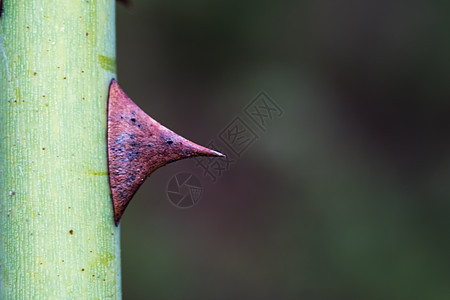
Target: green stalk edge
column 57, row 235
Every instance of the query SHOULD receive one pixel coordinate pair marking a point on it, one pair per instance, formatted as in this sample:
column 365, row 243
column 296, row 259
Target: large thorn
column 137, row 146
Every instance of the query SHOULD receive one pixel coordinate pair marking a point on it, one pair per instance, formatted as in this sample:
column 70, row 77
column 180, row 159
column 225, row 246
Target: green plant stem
column 57, row 234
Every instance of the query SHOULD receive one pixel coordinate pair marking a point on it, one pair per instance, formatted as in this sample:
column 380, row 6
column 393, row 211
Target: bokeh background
column 345, row 196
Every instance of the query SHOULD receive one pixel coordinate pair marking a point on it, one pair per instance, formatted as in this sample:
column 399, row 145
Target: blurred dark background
column 346, row 195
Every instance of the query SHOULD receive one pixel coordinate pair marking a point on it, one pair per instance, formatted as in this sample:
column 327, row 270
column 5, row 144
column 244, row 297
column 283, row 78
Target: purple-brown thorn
column 137, row 146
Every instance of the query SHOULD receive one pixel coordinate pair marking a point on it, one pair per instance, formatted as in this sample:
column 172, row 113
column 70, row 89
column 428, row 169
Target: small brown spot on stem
column 43, row 148
column 71, row 232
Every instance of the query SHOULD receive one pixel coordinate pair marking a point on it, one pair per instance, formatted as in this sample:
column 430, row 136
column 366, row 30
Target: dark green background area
column 345, row 196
